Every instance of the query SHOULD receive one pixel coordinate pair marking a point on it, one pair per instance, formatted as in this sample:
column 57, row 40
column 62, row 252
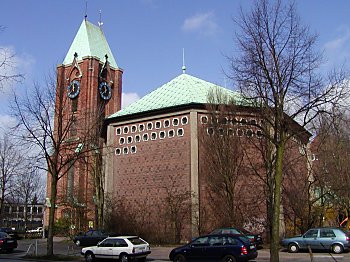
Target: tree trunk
column 49, row 250
column 275, row 238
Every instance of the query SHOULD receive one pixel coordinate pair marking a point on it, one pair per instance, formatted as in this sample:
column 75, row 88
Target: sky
column 147, row 38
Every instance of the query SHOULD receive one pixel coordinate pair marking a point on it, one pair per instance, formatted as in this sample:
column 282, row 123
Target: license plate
column 9, row 241
column 252, row 247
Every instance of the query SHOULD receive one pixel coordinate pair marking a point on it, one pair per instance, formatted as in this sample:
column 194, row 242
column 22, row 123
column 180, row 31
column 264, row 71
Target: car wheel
column 293, row 248
column 179, row 258
column 337, row 249
column 229, row 258
column 89, row 257
column 77, row 242
column 124, row 258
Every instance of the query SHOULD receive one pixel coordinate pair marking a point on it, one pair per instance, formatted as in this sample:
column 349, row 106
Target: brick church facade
column 155, row 152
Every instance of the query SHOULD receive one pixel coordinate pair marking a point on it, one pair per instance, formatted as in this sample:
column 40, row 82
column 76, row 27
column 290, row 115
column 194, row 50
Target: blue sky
column 147, row 37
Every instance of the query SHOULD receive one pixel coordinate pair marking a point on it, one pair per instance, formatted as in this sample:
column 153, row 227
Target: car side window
column 89, row 233
column 120, row 243
column 107, row 243
column 230, row 241
column 215, row 241
column 327, row 233
column 96, row 233
column 312, row 233
column 201, row 241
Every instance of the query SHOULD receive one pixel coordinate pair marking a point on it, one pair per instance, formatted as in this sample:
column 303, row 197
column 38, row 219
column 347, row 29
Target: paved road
column 159, row 254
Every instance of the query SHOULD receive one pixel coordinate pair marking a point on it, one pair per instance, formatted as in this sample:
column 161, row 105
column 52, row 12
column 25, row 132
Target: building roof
column 90, row 41
column 182, row 90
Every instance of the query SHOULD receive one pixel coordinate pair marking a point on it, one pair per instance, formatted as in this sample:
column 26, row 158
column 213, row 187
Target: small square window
column 129, row 139
column 180, row 132
column 153, row 136
column 259, row 133
column 210, row 131
column 161, row 134
column 141, row 127
column 126, row 129
column 149, row 126
column 184, row 120
column 230, row 132
column 221, row 131
column 125, row 150
column 249, row 133
column 133, row 129
column 118, row 151
column 171, row 133
column 166, row 123
column 121, row 140
column 118, row 131
column 133, row 149
column 240, row 132
column 158, row 125
column 138, row 138
column 204, row 119
column 145, row 137
column 243, row 121
column 175, row 122
column 253, row 122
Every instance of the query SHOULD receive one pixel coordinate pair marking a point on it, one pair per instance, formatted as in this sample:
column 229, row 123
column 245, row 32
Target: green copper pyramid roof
column 90, row 41
column 182, row 90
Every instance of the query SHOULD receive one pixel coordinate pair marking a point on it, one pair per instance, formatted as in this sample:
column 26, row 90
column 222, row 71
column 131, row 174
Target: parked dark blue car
column 226, row 248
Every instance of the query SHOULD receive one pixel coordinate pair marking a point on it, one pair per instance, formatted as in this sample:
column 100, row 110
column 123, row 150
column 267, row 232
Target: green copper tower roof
column 182, row 90
column 90, row 41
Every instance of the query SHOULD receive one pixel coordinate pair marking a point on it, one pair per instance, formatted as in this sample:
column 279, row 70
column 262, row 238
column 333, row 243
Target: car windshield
column 136, row 241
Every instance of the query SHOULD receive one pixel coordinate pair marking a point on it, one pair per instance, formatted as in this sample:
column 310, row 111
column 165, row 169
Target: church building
column 154, row 162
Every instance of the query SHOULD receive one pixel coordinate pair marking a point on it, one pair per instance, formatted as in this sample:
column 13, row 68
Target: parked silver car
column 327, row 238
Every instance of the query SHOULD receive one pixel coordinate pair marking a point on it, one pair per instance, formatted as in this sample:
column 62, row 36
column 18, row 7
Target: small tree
column 223, row 159
column 177, row 202
column 11, row 163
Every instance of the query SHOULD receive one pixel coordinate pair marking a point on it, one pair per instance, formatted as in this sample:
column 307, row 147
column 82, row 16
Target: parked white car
column 36, row 230
column 124, row 248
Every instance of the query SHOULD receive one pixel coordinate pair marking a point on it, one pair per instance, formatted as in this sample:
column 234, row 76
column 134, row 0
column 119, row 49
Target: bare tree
column 28, row 188
column 332, row 162
column 223, row 159
column 8, row 66
column 49, row 128
column 177, row 203
column 10, row 166
column 276, row 69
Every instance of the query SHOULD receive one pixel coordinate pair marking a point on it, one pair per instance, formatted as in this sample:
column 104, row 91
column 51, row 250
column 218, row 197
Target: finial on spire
column 86, row 8
column 100, row 23
column 183, row 61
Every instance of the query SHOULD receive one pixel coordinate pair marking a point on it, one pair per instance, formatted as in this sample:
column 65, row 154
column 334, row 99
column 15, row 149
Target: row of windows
column 152, row 136
column 235, row 132
column 227, row 121
column 125, row 150
column 150, row 125
column 20, row 209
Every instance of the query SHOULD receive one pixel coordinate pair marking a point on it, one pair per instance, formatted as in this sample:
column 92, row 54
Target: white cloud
column 203, row 23
column 128, row 98
column 337, row 49
column 13, row 65
column 6, row 122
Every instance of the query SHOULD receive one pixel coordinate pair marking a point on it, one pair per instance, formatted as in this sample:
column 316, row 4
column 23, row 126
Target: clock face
column 105, row 91
column 73, row 89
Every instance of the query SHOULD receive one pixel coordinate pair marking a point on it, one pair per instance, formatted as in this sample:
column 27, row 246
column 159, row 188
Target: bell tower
column 90, row 81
